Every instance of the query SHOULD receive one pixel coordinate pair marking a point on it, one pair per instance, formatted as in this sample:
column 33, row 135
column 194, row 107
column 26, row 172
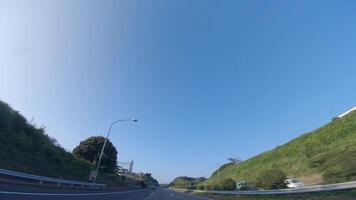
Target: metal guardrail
column 306, row 189
column 43, row 179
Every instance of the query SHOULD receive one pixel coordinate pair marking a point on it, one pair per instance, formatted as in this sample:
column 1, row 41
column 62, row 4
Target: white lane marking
column 194, row 196
column 68, row 194
column 171, row 194
column 148, row 196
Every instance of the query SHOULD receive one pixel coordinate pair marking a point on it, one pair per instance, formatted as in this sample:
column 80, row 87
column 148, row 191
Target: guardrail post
column 40, row 182
column 71, row 185
column 58, row 184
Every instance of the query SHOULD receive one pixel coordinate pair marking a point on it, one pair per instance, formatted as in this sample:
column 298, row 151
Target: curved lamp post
column 106, row 140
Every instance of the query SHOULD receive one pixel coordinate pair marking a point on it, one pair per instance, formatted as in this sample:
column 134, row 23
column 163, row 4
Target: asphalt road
column 16, row 192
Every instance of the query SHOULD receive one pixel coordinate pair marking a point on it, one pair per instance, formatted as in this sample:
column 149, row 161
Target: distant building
column 347, row 112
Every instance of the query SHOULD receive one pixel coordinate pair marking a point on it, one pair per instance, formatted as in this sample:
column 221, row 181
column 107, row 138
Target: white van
column 294, row 183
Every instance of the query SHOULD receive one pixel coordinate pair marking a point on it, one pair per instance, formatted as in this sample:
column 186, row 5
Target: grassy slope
column 26, row 148
column 186, row 182
column 334, row 195
column 295, row 156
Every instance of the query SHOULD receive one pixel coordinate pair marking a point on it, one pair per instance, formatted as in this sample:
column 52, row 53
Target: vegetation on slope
column 185, row 182
column 270, row 179
column 26, row 148
column 90, row 149
column 336, row 166
column 334, row 195
column 329, row 151
column 149, row 181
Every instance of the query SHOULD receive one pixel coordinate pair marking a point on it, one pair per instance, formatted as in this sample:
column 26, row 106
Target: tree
column 148, row 180
column 227, row 184
column 235, row 160
column 90, row 149
column 270, row 179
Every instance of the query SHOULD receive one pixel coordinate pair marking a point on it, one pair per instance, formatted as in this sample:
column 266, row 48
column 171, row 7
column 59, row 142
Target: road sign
column 93, row 175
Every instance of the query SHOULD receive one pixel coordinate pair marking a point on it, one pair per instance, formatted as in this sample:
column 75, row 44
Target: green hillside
column 186, row 182
column 328, row 152
column 26, row 148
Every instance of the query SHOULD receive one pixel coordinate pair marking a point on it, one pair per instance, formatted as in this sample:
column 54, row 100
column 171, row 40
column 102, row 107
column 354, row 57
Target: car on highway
column 294, row 183
column 241, row 185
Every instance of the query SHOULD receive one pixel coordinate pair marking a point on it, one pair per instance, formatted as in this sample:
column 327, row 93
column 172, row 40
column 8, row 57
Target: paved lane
column 16, row 192
column 124, row 195
column 166, row 194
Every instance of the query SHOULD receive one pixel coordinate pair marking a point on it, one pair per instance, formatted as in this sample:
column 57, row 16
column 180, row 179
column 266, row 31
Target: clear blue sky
column 207, row 79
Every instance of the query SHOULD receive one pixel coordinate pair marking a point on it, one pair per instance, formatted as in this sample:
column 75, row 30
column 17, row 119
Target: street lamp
column 106, row 140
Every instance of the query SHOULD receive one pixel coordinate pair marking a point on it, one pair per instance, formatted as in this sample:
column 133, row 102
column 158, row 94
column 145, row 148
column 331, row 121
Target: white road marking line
column 148, row 196
column 68, row 194
column 195, row 196
column 171, row 194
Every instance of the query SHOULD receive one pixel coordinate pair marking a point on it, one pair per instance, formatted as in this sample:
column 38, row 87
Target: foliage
column 227, row 184
column 294, row 157
column 149, row 181
column 186, row 182
column 270, row 179
column 200, row 187
column 27, row 148
column 336, row 166
column 90, row 150
column 335, row 195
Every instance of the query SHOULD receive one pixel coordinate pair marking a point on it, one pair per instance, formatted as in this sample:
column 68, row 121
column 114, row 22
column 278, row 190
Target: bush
column 200, row 187
column 208, row 187
column 336, row 166
column 227, row 184
column 143, row 184
column 270, row 179
column 215, row 186
column 186, row 182
column 90, row 150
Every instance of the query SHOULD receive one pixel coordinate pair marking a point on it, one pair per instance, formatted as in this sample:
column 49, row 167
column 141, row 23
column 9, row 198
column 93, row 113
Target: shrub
column 90, row 150
column 336, row 166
column 143, row 184
column 200, row 187
column 186, row 182
column 208, row 187
column 227, row 184
column 270, row 179
column 215, row 186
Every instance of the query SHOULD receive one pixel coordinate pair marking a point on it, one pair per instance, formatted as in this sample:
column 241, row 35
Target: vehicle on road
column 294, row 183
column 241, row 185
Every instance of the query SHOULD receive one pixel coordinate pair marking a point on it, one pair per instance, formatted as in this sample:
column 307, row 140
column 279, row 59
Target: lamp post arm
column 106, row 140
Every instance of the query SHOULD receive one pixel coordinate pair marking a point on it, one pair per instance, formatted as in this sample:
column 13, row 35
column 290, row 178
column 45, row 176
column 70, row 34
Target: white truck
column 294, row 183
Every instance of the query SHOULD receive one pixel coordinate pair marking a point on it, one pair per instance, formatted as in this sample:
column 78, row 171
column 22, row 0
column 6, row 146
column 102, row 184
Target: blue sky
column 208, row 80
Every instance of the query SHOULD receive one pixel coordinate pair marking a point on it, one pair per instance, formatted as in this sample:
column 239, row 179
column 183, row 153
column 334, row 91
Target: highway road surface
column 18, row 192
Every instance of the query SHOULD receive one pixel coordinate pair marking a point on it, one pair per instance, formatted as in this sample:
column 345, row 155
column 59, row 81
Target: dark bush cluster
column 336, row 166
column 186, row 182
column 226, row 184
column 271, row 179
column 90, row 149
